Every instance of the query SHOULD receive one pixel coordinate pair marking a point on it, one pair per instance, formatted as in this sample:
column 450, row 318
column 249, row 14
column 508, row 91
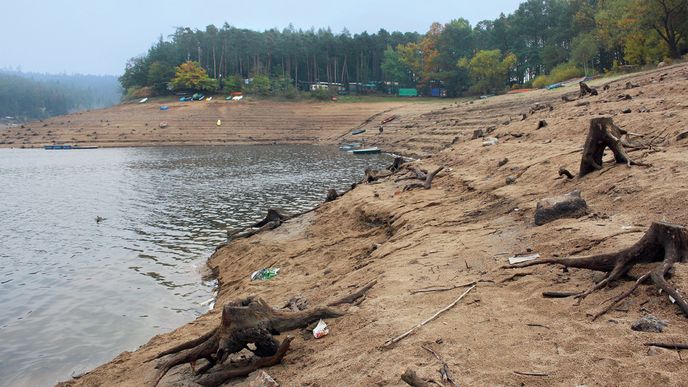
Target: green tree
column 489, row 70
column 259, row 85
column 584, row 49
column 394, row 68
column 190, row 75
column 159, row 75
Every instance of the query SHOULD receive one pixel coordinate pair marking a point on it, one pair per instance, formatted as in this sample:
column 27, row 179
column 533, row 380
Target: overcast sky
column 98, row 36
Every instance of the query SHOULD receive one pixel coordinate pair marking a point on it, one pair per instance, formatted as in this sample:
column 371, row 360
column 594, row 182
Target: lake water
column 75, row 292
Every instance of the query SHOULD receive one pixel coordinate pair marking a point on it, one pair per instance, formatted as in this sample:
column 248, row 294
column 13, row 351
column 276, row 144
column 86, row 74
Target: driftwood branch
column 348, row 299
column 396, row 339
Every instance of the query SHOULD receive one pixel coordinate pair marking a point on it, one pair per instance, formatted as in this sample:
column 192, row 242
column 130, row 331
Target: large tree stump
column 603, row 133
column 246, row 321
column 664, row 243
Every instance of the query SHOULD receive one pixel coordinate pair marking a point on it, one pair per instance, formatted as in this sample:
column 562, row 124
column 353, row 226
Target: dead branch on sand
column 396, row 339
column 447, row 378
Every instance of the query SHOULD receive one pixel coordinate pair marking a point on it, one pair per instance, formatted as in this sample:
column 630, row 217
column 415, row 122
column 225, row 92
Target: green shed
column 408, row 93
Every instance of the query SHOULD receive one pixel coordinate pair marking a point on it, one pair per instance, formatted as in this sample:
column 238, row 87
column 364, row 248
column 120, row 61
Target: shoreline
column 462, row 230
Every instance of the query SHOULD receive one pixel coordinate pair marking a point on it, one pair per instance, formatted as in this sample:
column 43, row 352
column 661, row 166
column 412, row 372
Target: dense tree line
column 557, row 38
column 25, row 96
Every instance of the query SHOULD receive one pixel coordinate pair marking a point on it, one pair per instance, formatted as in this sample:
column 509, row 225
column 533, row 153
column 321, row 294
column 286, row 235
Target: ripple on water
column 74, row 293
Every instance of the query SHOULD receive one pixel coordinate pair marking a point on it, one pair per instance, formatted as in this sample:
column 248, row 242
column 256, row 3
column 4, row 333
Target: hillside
column 463, row 230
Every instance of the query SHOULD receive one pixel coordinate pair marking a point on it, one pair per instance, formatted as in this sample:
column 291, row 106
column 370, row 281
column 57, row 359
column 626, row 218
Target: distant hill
column 26, row 96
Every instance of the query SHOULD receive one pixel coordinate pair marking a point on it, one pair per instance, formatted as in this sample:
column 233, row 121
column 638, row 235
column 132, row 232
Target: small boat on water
column 68, row 147
column 358, row 131
column 366, row 151
column 350, row 146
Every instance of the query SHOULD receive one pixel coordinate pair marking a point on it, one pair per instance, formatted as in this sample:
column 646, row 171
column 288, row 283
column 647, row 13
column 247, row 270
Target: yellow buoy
column 219, row 122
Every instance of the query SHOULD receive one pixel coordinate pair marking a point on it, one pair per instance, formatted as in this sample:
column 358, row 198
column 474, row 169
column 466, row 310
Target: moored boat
column 363, row 151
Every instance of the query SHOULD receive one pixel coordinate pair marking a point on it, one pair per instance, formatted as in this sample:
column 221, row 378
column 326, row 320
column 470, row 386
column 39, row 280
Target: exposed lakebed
column 75, row 292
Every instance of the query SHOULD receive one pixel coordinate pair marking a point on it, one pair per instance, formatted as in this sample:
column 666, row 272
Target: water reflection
column 74, row 292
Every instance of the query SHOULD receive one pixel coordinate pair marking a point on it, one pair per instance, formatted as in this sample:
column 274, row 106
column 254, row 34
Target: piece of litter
column 516, row 259
column 320, row 330
column 207, row 302
column 265, row 274
column 672, row 299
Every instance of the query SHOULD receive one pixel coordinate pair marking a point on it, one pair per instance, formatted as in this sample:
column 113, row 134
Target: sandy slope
column 462, row 230
column 195, row 123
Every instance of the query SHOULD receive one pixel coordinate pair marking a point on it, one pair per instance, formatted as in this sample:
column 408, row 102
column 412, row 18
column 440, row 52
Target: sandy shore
column 195, row 123
column 463, row 230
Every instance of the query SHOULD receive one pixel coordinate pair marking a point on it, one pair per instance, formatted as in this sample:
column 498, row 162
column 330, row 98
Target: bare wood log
column 675, row 346
column 396, row 339
column 602, row 134
column 559, row 294
column 664, row 243
column 531, row 373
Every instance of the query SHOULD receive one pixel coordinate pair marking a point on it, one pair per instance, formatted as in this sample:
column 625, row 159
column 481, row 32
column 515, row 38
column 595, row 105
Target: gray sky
column 97, row 37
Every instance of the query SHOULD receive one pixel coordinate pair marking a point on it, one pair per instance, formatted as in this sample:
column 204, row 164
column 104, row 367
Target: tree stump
column 246, row 321
column 332, row 195
column 664, row 243
column 396, row 165
column 585, row 90
column 603, row 133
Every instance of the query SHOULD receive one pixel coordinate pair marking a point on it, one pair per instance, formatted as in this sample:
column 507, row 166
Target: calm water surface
column 74, row 292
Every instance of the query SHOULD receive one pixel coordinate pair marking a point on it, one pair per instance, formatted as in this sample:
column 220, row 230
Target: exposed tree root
column 372, row 175
column 219, row 377
column 427, row 184
column 274, row 218
column 603, row 133
column 663, row 242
